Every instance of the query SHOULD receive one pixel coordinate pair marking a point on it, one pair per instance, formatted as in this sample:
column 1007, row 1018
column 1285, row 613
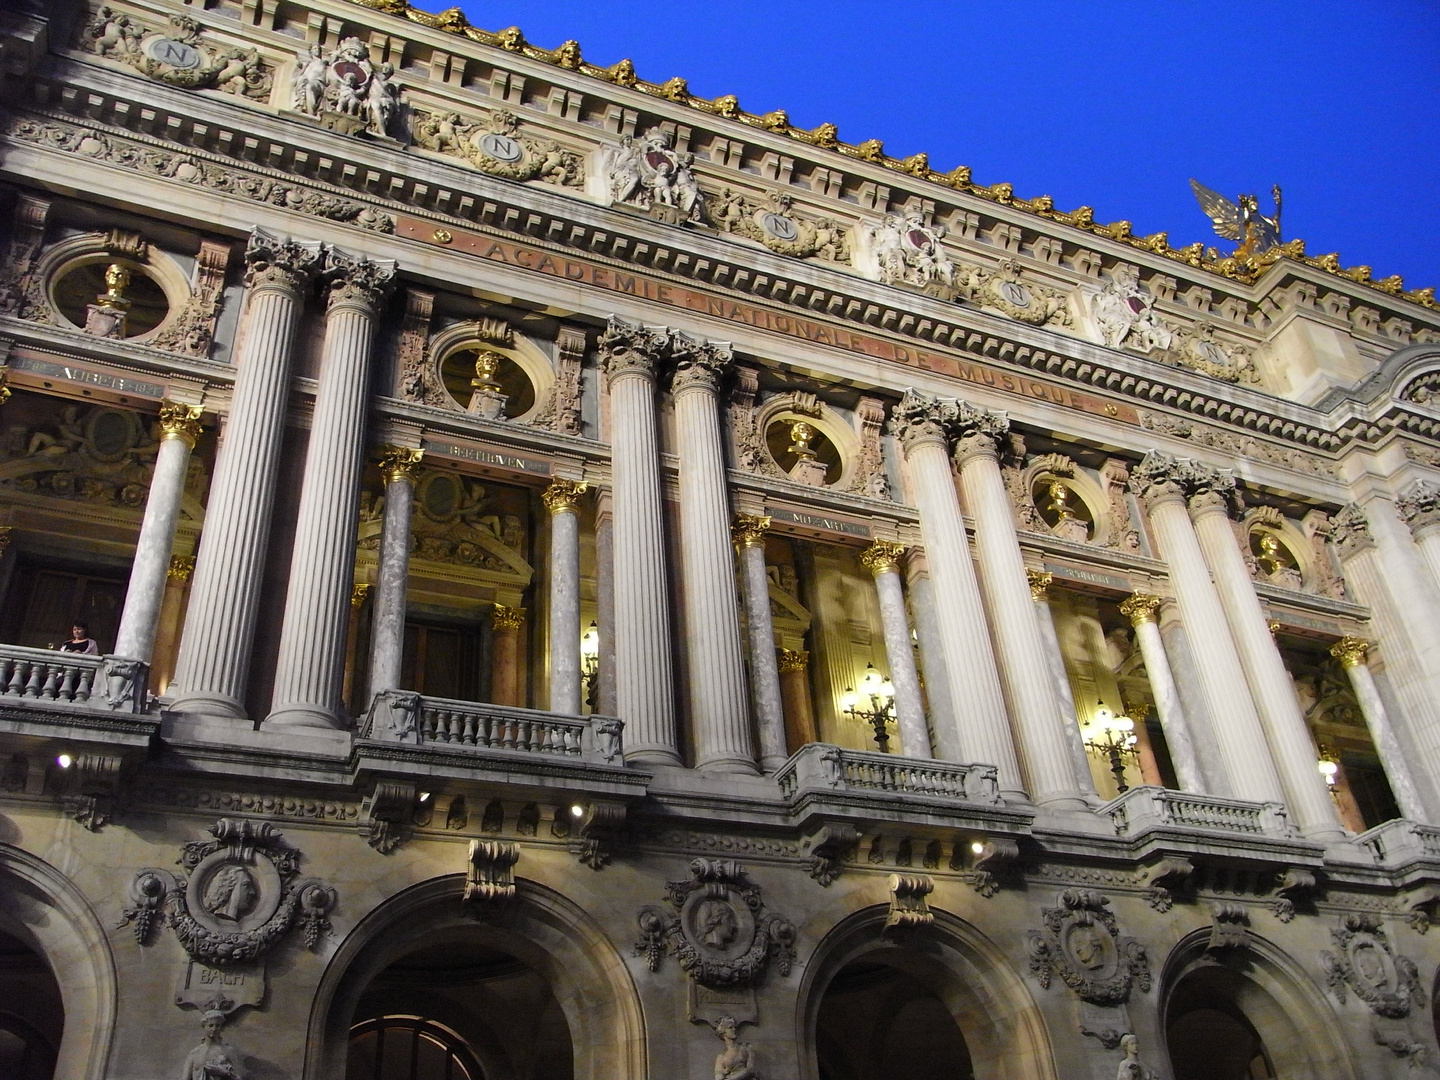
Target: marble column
column 1162, row 482
column 719, row 708
column 398, row 468
column 922, row 423
column 1055, row 661
column 359, row 593
column 1419, row 508
column 1272, row 689
column 1024, row 669
column 179, row 430
column 605, row 605
column 644, row 678
column 562, row 499
column 794, row 667
column 322, row 567
column 1351, row 652
column 172, row 611
column 1140, row 609
column 505, row 624
column 219, row 631
column 748, row 532
column 932, row 658
column 882, row 558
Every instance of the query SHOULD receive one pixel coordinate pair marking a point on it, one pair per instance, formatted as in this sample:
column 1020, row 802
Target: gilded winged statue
column 1243, row 222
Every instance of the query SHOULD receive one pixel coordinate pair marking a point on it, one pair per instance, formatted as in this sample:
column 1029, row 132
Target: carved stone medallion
column 717, row 927
column 1082, row 944
column 1365, row 964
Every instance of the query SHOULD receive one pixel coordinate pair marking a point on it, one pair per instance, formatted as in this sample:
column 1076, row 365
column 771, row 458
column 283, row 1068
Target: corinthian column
column 1162, row 483
column 179, row 429
column 1351, row 654
column 644, row 683
column 1271, row 687
column 398, row 466
column 882, row 559
column 220, row 621
column 562, row 499
column 322, row 568
column 920, row 421
column 718, row 706
column 1055, row 662
column 932, row 656
column 1419, row 508
column 1024, row 670
column 795, row 692
column 505, row 624
column 748, row 532
column 1140, row 609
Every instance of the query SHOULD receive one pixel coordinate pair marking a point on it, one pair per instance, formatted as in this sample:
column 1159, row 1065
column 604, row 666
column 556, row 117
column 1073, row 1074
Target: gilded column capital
column 631, row 349
column 179, row 421
column 358, row 593
column 399, row 464
column 1039, row 583
column 181, row 567
column 563, row 496
column 978, row 431
column 882, row 557
column 507, row 618
column 793, row 660
column 921, row 418
column 355, row 281
column 1350, row 530
column 749, row 530
column 1350, row 651
column 1140, row 608
column 698, row 365
column 1419, row 507
column 273, row 262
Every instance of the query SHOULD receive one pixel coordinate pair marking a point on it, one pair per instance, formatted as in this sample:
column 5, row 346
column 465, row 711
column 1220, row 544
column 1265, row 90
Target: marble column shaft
column 882, row 558
column 219, row 631
column 562, row 498
column 719, row 708
column 1271, row 686
column 172, row 611
column 1024, row 670
column 1351, row 653
column 644, row 676
column 1239, row 733
column 981, row 717
column 605, row 606
column 932, row 657
column 180, row 428
column 1140, row 610
column 505, row 625
column 749, row 533
column 795, row 692
column 398, row 466
column 1064, row 696
column 322, row 567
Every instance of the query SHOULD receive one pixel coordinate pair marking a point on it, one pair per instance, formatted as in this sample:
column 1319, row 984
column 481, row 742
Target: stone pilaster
column 1419, row 508
column 921, row 423
column 505, row 625
column 398, row 466
column 322, row 567
column 1024, row 670
column 718, row 706
column 1271, row 686
column 644, row 676
column 1163, row 483
column 1351, row 652
column 220, row 621
column 748, row 532
column 562, row 499
column 882, row 558
column 179, row 430
column 1141, row 609
column 1064, row 698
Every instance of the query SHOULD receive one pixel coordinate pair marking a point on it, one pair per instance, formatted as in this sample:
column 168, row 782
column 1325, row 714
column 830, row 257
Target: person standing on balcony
column 80, row 641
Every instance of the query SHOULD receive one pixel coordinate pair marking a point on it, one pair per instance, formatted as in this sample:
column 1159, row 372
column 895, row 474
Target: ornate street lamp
column 1114, row 740
column 874, row 704
column 590, row 664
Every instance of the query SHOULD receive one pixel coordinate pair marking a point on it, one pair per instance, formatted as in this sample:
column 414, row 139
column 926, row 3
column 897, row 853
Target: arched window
column 408, row 1048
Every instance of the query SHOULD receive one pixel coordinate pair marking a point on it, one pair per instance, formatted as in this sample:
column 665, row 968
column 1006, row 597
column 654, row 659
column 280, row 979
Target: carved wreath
column 717, row 928
column 1388, row 983
column 1082, row 944
column 237, row 898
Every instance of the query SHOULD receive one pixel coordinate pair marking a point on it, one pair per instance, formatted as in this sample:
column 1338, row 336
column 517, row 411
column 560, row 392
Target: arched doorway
column 1247, row 1014
column 32, row 1017
column 938, row 1004
column 528, row 989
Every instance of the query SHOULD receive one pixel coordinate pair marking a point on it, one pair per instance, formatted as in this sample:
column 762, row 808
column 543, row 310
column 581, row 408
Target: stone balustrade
column 41, row 676
column 406, row 717
column 1400, row 841
column 1142, row 809
column 821, row 766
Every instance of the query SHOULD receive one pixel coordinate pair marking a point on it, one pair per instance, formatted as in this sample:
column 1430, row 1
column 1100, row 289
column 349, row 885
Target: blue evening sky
column 1111, row 104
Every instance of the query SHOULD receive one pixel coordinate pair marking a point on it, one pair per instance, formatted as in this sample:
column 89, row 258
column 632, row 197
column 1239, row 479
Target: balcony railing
column 1401, row 840
column 1144, row 808
column 406, row 717
column 831, row 768
column 39, row 676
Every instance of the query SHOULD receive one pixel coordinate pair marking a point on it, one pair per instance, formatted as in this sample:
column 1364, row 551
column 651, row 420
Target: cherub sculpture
column 1241, row 221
